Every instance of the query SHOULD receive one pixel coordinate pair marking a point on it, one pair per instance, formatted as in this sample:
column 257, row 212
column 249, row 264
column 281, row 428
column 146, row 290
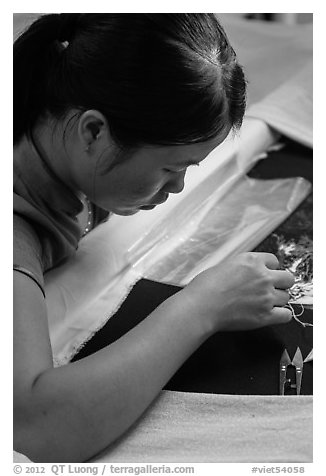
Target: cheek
column 143, row 189
column 145, row 186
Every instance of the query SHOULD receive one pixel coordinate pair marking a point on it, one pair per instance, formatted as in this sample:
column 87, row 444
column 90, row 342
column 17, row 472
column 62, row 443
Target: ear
column 93, row 130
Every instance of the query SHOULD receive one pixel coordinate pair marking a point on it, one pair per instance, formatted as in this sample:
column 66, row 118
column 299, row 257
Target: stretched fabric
column 85, row 292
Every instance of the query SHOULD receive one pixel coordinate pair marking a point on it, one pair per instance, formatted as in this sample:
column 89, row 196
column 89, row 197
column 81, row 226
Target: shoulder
column 25, row 236
column 27, row 249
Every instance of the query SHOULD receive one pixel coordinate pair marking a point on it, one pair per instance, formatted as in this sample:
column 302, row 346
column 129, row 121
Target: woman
column 109, row 111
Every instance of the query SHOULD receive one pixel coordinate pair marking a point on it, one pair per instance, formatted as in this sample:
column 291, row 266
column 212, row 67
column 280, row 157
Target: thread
column 295, row 316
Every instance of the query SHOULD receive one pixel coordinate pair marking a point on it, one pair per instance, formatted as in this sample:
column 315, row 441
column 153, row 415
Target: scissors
column 285, row 362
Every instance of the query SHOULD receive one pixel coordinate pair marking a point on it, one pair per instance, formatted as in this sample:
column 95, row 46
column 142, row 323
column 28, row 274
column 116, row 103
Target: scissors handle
column 282, row 379
column 298, row 375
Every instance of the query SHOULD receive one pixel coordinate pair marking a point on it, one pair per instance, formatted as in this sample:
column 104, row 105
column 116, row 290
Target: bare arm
column 73, row 412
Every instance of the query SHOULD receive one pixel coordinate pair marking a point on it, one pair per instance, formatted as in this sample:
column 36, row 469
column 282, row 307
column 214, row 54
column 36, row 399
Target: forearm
column 73, row 412
column 84, row 406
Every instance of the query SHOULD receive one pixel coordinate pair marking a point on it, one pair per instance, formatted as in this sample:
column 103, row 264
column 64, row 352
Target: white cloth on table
column 208, row 428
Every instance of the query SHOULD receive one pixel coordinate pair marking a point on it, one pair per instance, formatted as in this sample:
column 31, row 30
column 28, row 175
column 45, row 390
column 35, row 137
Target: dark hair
column 157, row 78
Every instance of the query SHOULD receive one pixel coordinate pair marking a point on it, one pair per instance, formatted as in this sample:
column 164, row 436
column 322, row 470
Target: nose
column 176, row 183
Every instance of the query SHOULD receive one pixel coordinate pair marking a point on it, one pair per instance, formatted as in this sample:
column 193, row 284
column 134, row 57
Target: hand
column 246, row 292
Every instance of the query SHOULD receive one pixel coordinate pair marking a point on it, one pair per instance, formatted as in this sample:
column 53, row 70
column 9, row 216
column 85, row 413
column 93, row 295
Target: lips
column 164, row 199
column 152, row 205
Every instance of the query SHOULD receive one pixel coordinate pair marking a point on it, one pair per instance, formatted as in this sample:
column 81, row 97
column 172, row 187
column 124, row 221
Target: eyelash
column 182, row 170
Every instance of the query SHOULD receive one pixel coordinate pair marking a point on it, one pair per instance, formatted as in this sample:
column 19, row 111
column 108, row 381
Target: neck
column 48, row 139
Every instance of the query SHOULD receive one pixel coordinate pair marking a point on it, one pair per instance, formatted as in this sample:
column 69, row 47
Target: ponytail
column 36, row 56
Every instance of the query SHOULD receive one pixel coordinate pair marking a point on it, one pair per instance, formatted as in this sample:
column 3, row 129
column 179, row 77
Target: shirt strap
column 31, row 275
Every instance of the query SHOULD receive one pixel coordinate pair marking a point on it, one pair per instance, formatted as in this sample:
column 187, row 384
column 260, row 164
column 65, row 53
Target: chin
column 133, row 211
column 125, row 212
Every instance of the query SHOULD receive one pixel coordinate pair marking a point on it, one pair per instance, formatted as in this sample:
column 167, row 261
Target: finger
column 269, row 260
column 280, row 315
column 282, row 279
column 281, row 297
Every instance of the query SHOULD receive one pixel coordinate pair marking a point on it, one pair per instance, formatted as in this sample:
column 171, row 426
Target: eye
column 182, row 169
column 175, row 171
